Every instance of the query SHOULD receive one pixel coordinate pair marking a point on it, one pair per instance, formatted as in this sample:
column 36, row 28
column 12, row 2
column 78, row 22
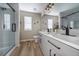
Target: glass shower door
column 7, row 39
column 9, row 35
column 6, row 30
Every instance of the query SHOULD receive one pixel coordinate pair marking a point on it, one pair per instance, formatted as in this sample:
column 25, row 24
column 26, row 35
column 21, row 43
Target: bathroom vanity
column 54, row 44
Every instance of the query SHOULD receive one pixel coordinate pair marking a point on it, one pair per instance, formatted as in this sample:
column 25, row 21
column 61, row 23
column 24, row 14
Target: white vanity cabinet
column 53, row 47
column 44, row 45
column 47, row 48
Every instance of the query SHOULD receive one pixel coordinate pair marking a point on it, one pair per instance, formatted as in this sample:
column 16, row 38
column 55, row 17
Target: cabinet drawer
column 54, row 51
column 64, row 50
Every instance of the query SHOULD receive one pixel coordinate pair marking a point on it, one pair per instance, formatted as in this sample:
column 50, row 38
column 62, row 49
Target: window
column 50, row 23
column 72, row 24
column 7, row 21
column 27, row 23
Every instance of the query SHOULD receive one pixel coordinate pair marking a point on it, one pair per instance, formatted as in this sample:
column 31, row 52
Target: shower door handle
column 13, row 27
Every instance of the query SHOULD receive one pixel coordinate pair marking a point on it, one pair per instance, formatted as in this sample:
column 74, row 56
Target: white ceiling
column 39, row 7
column 32, row 7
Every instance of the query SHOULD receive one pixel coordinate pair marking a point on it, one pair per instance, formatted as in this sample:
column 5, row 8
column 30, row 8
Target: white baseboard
column 26, row 40
column 9, row 53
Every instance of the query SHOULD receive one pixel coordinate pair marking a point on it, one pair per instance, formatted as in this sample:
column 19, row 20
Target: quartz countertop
column 68, row 40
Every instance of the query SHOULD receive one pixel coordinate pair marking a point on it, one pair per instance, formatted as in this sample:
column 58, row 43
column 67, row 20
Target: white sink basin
column 66, row 38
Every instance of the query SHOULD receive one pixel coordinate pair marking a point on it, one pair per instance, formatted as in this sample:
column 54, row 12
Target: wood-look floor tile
column 28, row 49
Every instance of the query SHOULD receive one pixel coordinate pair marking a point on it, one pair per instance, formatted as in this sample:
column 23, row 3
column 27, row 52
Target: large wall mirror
column 70, row 18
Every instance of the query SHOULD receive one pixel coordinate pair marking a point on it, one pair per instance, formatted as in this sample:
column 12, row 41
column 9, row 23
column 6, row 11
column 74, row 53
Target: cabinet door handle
column 50, row 52
column 54, row 45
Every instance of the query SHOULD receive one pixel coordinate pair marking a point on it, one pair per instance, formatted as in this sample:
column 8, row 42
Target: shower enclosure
column 7, row 28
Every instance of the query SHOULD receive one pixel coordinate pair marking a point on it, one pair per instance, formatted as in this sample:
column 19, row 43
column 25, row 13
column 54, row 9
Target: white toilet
column 36, row 38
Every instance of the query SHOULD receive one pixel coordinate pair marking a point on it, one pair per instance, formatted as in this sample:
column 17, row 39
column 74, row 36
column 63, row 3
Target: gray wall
column 35, row 27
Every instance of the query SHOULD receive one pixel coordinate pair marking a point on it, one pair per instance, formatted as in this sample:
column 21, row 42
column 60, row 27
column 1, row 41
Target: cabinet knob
column 54, row 54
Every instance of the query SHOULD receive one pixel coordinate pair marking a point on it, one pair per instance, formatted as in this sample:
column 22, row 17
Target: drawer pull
column 54, row 45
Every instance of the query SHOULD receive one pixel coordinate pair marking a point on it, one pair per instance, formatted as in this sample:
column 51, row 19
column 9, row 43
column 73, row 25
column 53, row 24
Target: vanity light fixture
column 48, row 7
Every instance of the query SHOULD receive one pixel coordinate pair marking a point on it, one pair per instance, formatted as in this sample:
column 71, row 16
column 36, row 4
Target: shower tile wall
column 44, row 23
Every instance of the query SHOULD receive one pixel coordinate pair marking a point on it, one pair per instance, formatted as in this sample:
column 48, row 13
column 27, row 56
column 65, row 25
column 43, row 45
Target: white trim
column 27, row 40
column 9, row 53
